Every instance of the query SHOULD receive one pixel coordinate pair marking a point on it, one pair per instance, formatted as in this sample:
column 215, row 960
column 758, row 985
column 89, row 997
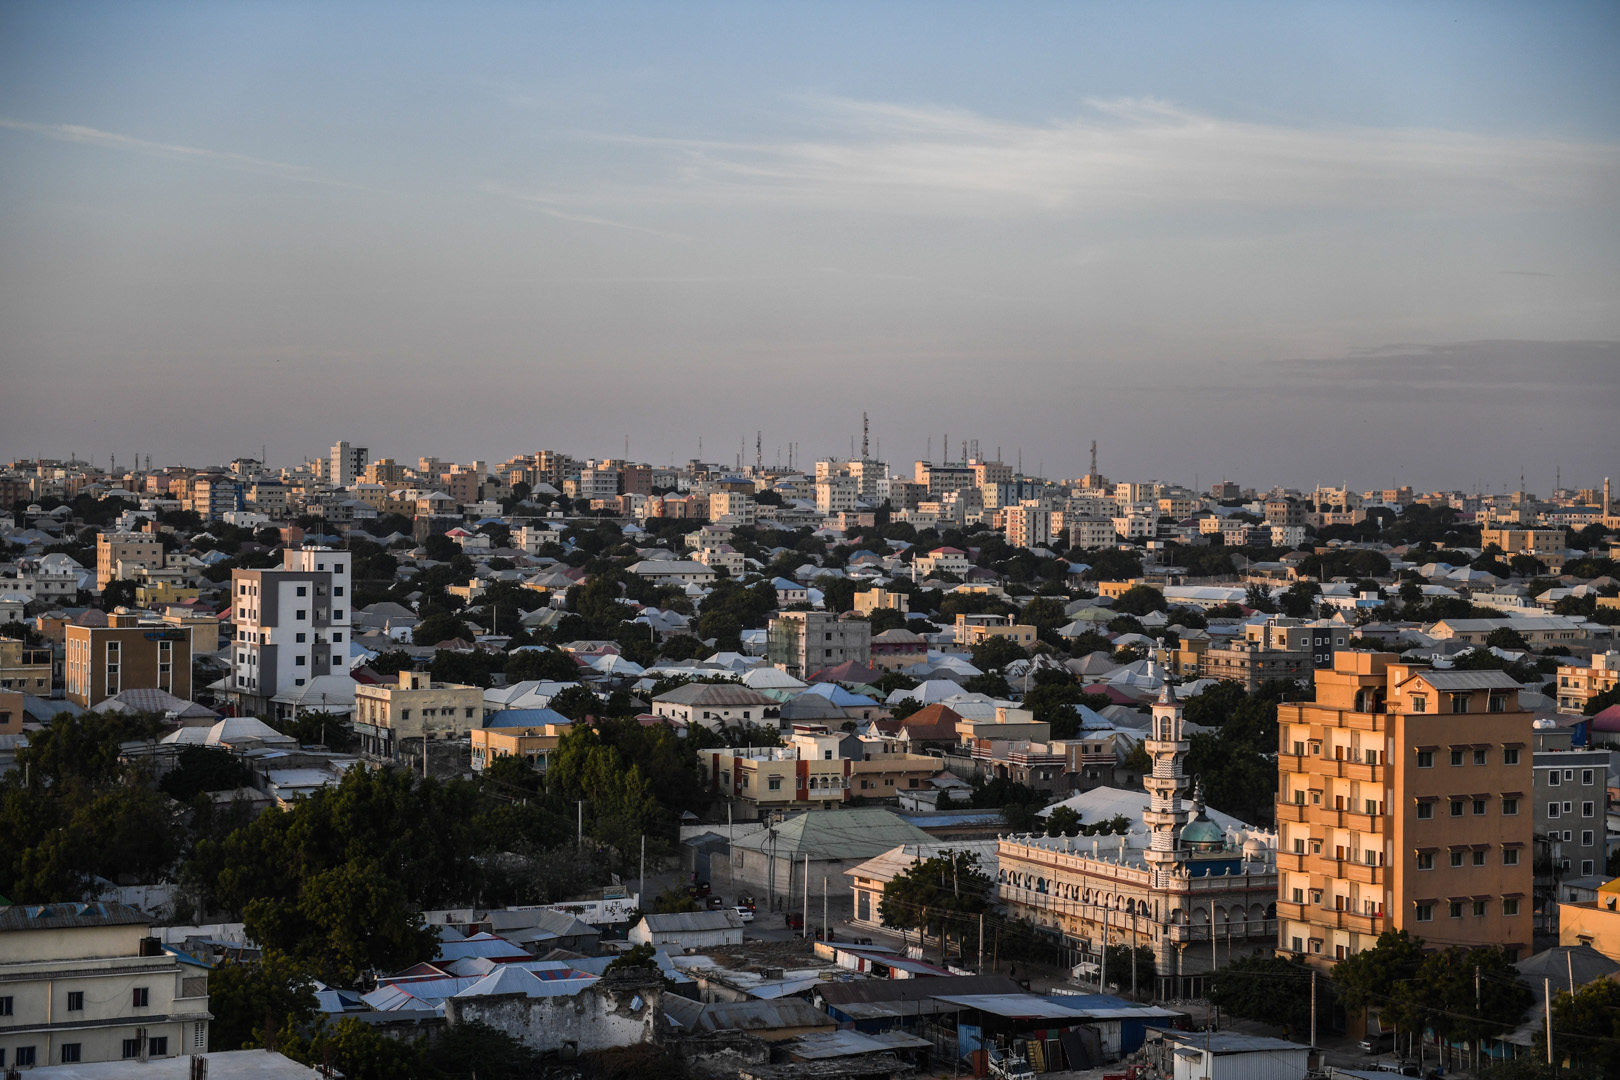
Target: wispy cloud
column 1121, row 154
column 111, row 140
column 553, row 206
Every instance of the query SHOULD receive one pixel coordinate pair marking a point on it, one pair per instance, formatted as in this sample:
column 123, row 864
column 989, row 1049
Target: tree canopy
column 942, row 895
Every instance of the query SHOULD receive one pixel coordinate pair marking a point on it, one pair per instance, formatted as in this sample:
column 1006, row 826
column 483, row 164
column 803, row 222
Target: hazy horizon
column 1291, row 245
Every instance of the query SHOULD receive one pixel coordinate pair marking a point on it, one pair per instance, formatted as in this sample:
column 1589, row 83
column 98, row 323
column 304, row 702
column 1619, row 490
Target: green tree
column 1140, row 600
column 1110, row 564
column 550, row 665
column 1054, row 704
column 1063, row 821
column 937, row 896
column 1588, row 1026
column 1017, row 802
column 117, row 594
column 1505, row 637
column 358, row 1051
column 1377, row 976
column 995, row 653
column 201, row 769
column 1271, row 989
column 671, row 900
column 1298, row 601
column 1442, row 995
column 338, row 881
column 1598, row 702
column 241, row 995
column 441, row 626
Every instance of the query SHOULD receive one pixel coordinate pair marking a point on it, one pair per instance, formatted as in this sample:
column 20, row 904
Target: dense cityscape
column 416, row 769
column 835, row 541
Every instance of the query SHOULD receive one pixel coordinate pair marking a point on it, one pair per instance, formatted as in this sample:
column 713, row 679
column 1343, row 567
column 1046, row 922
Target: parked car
column 1381, row 1043
column 746, row 914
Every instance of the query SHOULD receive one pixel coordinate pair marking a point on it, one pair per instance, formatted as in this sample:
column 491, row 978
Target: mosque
column 1196, row 887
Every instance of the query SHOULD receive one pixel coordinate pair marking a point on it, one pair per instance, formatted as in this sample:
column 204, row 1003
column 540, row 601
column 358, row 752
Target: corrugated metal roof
column 836, row 834
column 694, row 921
column 1467, row 680
column 1014, row 1006
column 874, row 990
column 66, row 916
column 714, row 694
column 759, row 1016
column 820, row 1045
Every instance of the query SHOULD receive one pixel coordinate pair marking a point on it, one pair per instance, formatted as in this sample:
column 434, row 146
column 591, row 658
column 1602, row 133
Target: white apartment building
column 291, row 625
column 347, row 464
column 1029, row 524
column 836, row 494
column 598, row 484
column 1090, row 533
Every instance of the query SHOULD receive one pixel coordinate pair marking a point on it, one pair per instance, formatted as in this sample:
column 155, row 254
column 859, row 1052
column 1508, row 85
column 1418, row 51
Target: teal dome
column 1202, row 834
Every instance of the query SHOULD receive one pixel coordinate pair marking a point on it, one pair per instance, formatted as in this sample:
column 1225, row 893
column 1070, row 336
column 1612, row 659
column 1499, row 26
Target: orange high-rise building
column 1403, row 803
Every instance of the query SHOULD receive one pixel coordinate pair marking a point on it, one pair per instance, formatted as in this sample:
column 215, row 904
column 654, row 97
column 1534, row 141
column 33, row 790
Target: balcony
column 1297, row 812
column 1261, row 929
column 1346, row 920
column 1312, row 814
column 1348, row 870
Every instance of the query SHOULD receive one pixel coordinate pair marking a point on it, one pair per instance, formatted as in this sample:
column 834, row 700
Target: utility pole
column 1313, row 1003
column 643, row 885
column 1214, row 954
column 579, row 837
column 1102, row 974
column 1546, row 999
column 1476, row 1012
column 980, row 968
column 806, row 919
column 826, row 926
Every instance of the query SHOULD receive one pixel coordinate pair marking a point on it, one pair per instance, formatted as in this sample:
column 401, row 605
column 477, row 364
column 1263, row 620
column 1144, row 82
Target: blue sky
column 1196, row 233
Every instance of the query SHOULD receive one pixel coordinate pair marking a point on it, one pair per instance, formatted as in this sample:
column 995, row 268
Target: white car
column 744, row 914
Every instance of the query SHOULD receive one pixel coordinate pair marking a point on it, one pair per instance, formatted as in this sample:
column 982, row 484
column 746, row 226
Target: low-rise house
column 689, row 929
column 673, row 572
column 717, row 706
column 1578, row 684
column 529, row 734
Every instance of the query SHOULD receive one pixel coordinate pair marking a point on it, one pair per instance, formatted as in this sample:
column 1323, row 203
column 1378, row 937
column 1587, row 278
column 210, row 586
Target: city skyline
column 1382, row 239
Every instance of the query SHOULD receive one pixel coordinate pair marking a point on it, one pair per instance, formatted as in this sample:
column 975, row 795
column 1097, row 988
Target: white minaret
column 1167, row 746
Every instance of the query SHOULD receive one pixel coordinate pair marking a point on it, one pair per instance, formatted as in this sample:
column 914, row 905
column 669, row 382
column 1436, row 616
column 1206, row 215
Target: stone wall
column 612, row 1013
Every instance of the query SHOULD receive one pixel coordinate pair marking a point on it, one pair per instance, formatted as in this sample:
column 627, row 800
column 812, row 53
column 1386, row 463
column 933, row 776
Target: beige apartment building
column 81, row 983
column 1403, row 804
column 1577, row 685
column 25, row 668
column 415, row 709
column 877, row 599
column 119, row 555
column 1512, row 541
column 802, row 643
column 972, row 630
column 126, row 654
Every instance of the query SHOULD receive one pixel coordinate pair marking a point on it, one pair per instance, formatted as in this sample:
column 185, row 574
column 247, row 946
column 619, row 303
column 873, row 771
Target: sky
column 1277, row 243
